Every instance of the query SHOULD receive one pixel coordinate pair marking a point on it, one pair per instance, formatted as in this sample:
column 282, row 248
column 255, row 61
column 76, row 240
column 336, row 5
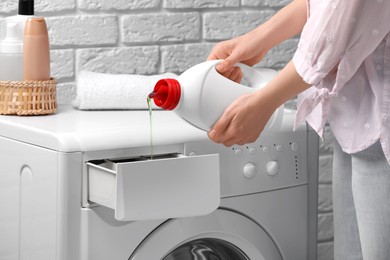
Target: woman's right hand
column 245, row 49
column 251, row 47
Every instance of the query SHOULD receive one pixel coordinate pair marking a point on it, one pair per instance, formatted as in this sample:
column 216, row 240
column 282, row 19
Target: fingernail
column 220, row 67
column 212, row 133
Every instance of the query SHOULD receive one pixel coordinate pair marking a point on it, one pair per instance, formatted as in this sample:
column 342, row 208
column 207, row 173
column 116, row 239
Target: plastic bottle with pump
column 25, row 11
column 11, row 41
column 11, row 53
column 200, row 95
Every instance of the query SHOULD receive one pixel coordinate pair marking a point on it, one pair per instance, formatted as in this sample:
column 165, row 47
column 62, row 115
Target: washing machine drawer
column 169, row 186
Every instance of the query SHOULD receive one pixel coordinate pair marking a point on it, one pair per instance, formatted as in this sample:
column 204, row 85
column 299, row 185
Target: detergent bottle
column 200, row 95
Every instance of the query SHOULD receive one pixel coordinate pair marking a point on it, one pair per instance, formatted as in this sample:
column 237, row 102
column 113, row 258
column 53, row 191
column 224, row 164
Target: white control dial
column 272, row 168
column 252, row 150
column 249, row 170
column 238, row 151
column 294, row 147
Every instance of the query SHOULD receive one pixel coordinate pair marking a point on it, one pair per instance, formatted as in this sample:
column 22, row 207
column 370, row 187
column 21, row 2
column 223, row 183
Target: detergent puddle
column 149, row 100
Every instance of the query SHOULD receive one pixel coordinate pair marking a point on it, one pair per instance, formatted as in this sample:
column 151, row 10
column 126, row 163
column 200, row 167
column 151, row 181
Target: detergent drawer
column 168, row 186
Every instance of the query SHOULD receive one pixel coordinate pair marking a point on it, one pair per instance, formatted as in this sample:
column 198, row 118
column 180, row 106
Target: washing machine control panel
column 273, row 162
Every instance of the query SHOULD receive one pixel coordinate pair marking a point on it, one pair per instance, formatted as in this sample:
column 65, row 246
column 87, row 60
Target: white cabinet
column 28, row 201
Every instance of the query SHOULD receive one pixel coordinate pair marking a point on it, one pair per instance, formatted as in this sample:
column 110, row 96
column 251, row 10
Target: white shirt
column 344, row 52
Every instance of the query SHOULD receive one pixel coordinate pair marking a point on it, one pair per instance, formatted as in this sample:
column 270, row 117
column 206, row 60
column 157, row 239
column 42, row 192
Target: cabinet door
column 28, row 201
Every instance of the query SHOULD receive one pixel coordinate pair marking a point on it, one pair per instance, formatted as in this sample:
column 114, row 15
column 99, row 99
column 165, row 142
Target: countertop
column 72, row 130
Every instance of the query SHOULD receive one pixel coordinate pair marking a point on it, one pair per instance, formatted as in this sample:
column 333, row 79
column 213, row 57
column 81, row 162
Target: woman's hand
column 243, row 121
column 245, row 49
column 251, row 47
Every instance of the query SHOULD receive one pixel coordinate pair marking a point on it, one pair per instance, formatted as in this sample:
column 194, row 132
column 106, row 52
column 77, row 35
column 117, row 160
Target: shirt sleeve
column 338, row 36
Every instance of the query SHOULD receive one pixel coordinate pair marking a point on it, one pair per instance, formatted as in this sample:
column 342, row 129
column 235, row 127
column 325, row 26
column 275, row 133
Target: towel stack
column 99, row 91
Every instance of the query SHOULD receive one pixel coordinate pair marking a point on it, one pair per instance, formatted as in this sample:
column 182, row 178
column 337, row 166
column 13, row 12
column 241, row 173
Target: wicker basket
column 28, row 97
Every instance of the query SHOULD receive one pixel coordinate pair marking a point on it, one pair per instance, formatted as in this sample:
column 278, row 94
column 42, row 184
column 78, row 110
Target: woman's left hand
column 243, row 120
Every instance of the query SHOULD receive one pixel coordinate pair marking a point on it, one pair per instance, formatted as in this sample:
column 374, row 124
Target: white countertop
column 71, row 130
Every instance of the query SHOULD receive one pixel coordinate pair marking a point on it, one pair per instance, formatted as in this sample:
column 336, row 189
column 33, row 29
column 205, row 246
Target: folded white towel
column 114, row 91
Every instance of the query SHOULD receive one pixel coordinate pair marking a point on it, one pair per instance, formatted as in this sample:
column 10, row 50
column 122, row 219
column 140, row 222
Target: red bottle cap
column 166, row 93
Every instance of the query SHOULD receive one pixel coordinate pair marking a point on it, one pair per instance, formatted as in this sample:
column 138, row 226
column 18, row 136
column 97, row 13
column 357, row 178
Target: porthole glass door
column 207, row 248
column 221, row 235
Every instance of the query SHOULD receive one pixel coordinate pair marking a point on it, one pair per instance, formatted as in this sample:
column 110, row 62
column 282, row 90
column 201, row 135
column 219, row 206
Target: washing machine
column 88, row 185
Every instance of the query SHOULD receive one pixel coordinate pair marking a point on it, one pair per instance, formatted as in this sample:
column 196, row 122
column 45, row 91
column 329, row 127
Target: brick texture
column 83, row 30
column 278, row 56
column 325, row 251
column 162, row 27
column 178, row 4
column 265, row 3
column 324, row 222
column 8, row 7
column 324, row 198
column 178, row 58
column 105, row 5
column 130, row 60
column 66, row 93
column 47, row 6
column 325, row 169
column 225, row 25
column 62, row 64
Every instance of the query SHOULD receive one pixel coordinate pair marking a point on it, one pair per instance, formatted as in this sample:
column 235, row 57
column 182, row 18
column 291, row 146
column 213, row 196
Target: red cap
column 166, row 93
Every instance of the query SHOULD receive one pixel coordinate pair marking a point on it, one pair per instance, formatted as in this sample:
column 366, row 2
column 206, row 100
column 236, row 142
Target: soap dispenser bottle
column 25, row 11
column 11, row 53
column 200, row 94
column 36, row 50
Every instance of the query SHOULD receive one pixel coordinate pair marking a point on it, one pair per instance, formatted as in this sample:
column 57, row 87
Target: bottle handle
column 256, row 78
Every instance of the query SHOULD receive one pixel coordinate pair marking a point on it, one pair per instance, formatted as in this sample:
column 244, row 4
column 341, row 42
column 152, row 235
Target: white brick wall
column 267, row 3
column 122, row 60
column 156, row 36
column 225, row 25
column 161, row 27
column 177, row 4
column 116, row 5
column 83, row 30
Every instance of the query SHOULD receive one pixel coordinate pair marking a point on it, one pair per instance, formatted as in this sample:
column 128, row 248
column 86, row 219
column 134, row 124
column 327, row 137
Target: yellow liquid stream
column 149, row 100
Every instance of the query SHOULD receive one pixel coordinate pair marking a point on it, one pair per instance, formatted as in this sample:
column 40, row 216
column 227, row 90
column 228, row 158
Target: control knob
column 249, row 170
column 272, row 168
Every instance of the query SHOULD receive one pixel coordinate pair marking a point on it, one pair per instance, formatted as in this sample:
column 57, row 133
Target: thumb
column 228, row 63
column 216, row 133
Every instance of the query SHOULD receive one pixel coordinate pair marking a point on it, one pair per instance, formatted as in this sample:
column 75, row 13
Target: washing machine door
column 222, row 235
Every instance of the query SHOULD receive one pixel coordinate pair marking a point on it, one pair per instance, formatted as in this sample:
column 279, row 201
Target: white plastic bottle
column 200, row 95
column 11, row 41
column 36, row 50
column 25, row 11
column 11, row 53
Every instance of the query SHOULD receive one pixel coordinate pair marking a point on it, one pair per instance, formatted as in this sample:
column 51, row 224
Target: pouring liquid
column 149, row 100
